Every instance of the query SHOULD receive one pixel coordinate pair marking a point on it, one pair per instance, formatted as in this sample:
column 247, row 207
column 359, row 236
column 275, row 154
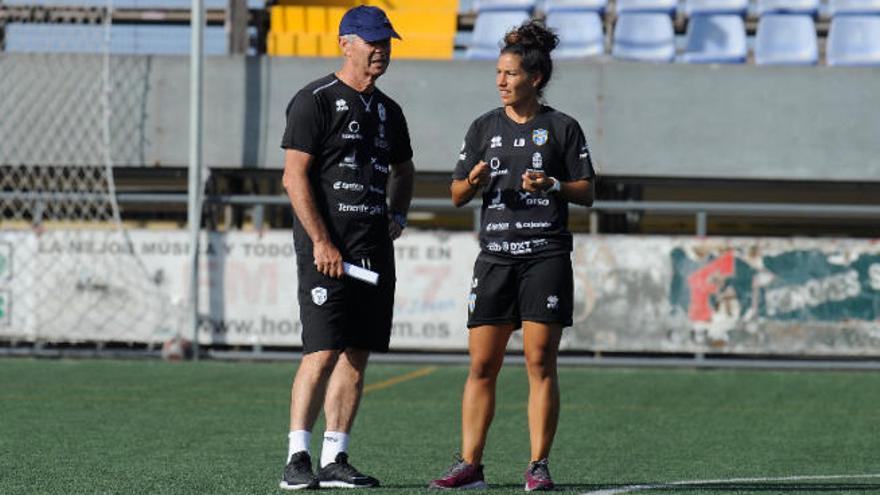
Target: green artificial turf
column 101, row 426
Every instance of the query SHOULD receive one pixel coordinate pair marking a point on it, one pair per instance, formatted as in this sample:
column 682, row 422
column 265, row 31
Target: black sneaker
column 298, row 473
column 341, row 474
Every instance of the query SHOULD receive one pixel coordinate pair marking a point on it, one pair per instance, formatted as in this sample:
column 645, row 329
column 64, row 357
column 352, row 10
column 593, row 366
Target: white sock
column 297, row 441
column 334, row 443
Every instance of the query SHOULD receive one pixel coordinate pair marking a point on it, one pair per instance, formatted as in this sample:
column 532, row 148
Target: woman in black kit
column 528, row 161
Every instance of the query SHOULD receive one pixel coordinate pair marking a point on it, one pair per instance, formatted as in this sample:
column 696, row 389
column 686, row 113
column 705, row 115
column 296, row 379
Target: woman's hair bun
column 532, row 35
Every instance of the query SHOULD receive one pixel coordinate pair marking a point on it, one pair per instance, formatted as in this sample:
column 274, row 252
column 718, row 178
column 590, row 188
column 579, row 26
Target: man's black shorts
column 539, row 290
column 346, row 312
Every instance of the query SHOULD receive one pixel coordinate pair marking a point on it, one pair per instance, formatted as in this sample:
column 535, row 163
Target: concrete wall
column 642, row 120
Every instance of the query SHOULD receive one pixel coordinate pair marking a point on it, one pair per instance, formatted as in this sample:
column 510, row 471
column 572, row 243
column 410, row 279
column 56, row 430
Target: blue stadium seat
column 124, row 39
column 716, row 39
column 580, row 33
column 786, row 40
column 854, row 7
column 854, row 40
column 695, row 7
column 551, row 6
column 809, row 7
column 493, row 5
column 628, row 6
column 644, row 36
column 489, row 29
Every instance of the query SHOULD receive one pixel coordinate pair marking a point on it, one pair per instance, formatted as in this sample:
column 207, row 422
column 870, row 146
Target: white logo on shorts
column 319, row 295
column 552, row 302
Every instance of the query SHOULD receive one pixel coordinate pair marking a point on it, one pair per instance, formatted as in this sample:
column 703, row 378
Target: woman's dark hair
column 533, row 42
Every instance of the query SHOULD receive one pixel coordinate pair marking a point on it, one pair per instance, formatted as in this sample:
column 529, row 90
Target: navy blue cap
column 370, row 23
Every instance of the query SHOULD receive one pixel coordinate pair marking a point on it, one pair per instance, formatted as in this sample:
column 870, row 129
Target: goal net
column 68, row 270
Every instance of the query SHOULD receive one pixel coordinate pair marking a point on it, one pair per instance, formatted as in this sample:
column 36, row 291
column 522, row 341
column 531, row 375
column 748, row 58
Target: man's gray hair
column 349, row 37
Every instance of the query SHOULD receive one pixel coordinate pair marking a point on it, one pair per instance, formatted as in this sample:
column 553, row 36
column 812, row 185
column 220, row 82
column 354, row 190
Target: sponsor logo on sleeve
column 553, row 302
column 585, row 152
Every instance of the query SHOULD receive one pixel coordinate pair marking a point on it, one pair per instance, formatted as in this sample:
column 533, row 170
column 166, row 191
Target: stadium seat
column 809, row 7
column 696, row 7
column 629, row 6
column 580, row 33
column 715, row 39
column 786, row 40
column 489, row 29
column 496, row 5
column 836, row 7
column 644, row 36
column 124, row 39
column 854, row 40
column 553, row 6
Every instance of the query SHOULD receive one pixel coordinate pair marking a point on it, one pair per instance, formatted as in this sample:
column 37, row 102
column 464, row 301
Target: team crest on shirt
column 319, row 295
column 341, row 105
column 381, row 109
column 539, row 136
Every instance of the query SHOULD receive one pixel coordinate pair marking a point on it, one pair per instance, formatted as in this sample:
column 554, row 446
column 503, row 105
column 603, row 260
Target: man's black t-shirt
column 517, row 224
column 353, row 137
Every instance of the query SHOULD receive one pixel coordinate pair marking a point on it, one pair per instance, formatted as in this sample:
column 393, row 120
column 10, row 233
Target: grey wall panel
column 642, row 120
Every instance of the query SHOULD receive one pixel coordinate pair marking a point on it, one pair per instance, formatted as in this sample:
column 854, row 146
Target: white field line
column 658, row 486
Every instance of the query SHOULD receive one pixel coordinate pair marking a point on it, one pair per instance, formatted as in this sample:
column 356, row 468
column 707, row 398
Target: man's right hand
column 328, row 261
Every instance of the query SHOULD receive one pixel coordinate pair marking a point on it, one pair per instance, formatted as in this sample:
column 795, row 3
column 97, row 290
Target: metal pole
column 194, row 211
column 701, row 224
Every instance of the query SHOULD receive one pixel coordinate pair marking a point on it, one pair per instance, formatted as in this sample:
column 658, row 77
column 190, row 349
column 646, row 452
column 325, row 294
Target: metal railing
column 700, row 209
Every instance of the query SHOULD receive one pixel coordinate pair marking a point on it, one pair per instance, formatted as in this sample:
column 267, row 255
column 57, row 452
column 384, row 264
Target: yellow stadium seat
column 329, row 45
column 281, row 44
column 424, row 21
column 346, row 4
column 307, row 44
column 425, row 46
column 334, row 16
column 316, row 19
column 294, row 19
column 389, row 5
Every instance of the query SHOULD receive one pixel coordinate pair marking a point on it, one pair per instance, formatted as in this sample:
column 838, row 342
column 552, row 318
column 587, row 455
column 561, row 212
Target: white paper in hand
column 354, row 271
